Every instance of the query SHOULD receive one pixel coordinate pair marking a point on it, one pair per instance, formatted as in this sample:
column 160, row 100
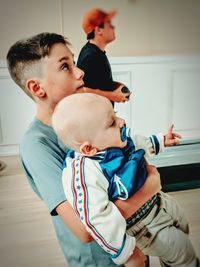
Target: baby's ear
column 87, row 149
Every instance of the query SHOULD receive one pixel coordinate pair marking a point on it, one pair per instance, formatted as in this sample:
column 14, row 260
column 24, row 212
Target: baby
column 104, row 165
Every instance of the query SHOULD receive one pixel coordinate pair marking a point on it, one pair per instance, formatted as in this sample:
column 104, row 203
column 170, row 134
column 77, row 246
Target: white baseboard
column 9, row 150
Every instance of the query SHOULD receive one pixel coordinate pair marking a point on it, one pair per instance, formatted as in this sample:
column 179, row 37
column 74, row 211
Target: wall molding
column 9, row 150
column 185, row 72
column 193, row 58
column 150, row 109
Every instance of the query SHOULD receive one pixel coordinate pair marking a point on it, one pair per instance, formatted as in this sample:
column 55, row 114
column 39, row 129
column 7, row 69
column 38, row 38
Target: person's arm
column 137, row 259
column 97, row 79
column 171, row 138
column 152, row 145
column 156, row 144
column 70, row 218
column 151, row 186
column 117, row 95
column 86, row 189
column 44, row 166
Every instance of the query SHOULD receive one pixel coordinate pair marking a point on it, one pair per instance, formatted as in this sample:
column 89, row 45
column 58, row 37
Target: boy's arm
column 137, row 259
column 151, row 186
column 45, row 165
column 93, row 78
column 86, row 189
column 70, row 218
column 117, row 95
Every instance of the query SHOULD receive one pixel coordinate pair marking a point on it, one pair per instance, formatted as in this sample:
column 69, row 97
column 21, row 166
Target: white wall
column 16, row 112
column 165, row 90
column 143, row 27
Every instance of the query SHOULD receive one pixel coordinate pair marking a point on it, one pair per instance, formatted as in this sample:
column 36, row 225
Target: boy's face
column 60, row 76
column 106, row 130
column 108, row 32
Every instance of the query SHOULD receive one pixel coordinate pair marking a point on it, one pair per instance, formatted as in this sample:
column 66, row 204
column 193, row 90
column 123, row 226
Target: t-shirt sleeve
column 43, row 167
column 97, row 71
column 92, row 75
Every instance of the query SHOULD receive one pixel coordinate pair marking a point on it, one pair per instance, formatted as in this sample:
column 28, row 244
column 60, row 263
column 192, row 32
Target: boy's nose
column 79, row 74
column 121, row 122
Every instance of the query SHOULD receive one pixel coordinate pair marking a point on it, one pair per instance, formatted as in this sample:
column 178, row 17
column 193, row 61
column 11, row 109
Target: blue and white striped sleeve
column 88, row 195
column 152, row 145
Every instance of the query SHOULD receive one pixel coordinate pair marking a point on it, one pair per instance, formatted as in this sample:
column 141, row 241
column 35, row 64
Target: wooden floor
column 27, row 238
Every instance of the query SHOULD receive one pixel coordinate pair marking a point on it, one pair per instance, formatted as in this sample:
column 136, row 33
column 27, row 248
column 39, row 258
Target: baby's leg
column 164, row 233
column 175, row 236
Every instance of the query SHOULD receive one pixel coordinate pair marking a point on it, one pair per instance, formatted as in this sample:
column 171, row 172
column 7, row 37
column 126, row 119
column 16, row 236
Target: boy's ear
column 88, row 149
column 35, row 88
column 97, row 31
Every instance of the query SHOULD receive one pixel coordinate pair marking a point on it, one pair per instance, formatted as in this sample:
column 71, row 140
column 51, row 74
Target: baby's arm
column 171, row 138
column 86, row 189
column 70, row 218
column 156, row 144
column 152, row 145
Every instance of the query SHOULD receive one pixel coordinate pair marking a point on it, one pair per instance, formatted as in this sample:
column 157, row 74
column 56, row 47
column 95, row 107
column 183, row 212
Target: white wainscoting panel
column 16, row 112
column 186, row 101
column 165, row 90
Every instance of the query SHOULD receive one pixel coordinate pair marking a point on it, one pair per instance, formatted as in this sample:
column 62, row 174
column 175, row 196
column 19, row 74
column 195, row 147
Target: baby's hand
column 171, row 139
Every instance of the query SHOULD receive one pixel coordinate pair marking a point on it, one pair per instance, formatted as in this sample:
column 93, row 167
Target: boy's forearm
column 107, row 94
column 151, row 187
column 70, row 218
column 137, row 259
column 115, row 96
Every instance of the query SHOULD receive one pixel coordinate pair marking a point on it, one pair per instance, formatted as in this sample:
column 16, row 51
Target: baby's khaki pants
column 164, row 233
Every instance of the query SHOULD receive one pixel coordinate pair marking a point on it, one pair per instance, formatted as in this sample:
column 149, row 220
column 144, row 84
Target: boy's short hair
column 91, row 35
column 23, row 58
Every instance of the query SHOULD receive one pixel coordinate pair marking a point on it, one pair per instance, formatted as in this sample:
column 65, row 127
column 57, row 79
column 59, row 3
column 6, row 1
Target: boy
column 105, row 166
column 93, row 60
column 43, row 67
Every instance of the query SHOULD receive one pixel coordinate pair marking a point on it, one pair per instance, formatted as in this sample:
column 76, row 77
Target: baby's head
column 87, row 123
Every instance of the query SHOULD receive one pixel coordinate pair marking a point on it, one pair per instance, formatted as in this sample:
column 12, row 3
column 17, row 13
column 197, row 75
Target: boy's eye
column 113, row 123
column 65, row 66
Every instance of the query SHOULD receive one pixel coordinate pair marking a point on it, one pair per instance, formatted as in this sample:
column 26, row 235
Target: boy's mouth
column 124, row 133
column 80, row 86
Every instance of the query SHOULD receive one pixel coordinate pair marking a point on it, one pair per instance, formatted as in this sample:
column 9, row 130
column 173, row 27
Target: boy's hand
column 137, row 259
column 171, row 139
column 118, row 95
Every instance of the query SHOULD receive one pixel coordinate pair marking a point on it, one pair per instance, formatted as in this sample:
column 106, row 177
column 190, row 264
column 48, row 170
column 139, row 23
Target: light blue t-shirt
column 42, row 157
